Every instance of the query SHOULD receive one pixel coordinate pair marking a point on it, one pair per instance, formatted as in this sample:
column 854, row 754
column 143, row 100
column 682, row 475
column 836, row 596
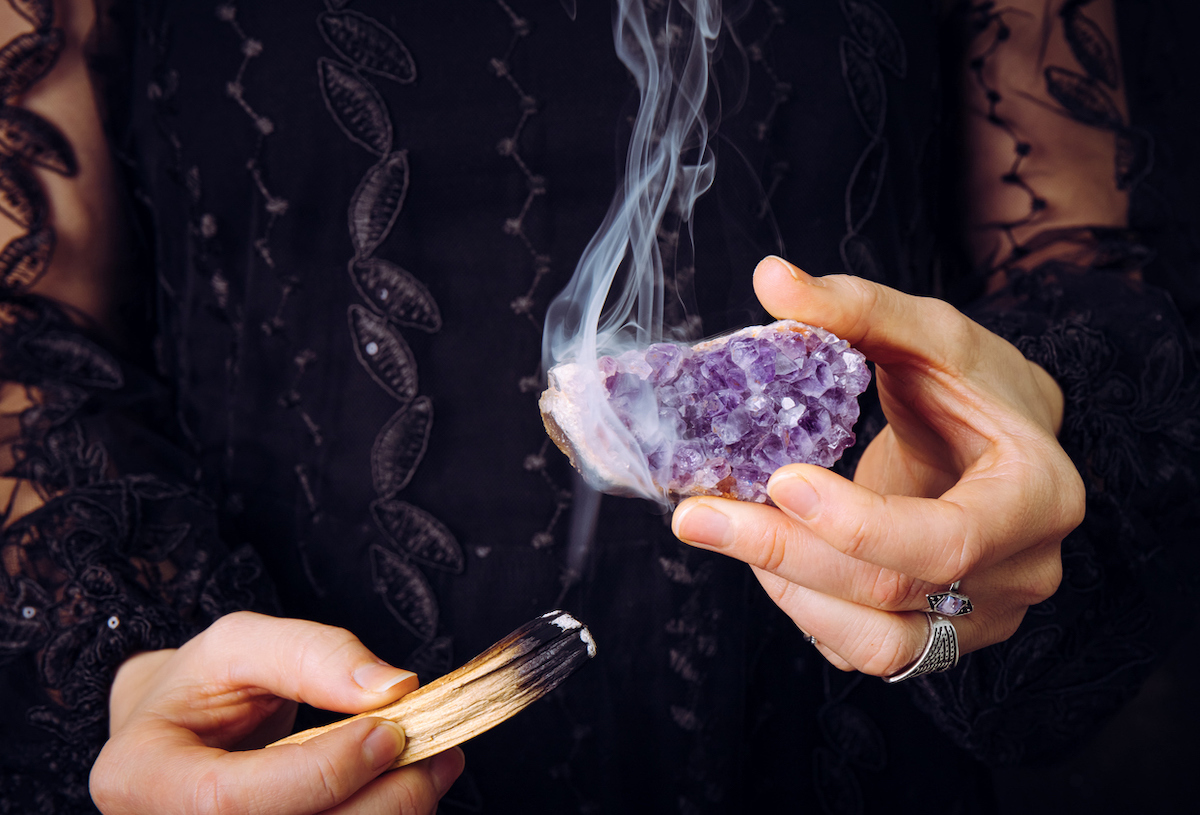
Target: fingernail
column 445, row 768
column 792, row 493
column 379, row 677
column 383, row 744
column 701, row 525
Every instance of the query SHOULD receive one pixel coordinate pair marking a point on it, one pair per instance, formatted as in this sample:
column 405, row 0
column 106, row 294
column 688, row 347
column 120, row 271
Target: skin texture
column 967, row 482
column 184, row 723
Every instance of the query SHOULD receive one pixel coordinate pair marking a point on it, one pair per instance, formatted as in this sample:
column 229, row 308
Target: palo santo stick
column 499, row 683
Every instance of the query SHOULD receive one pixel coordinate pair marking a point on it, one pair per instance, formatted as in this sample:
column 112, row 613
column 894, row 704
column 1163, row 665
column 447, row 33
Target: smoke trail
column 667, row 46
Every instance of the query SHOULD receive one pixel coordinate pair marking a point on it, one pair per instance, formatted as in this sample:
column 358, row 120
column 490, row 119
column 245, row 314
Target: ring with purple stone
column 939, row 654
column 952, row 603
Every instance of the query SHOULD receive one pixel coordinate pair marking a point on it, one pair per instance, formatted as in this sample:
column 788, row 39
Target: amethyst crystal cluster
column 720, row 417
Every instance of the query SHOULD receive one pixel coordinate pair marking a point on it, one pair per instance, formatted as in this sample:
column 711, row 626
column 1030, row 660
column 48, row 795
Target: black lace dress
column 352, row 216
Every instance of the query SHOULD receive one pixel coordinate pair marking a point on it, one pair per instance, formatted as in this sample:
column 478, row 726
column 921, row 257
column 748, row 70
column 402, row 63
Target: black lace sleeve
column 1076, row 300
column 107, row 550
column 1131, row 424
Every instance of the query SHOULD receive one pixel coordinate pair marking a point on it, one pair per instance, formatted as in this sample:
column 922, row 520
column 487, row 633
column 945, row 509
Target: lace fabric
column 118, row 554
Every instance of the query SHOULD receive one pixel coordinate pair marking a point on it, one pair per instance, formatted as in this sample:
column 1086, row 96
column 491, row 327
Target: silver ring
column 940, row 652
column 952, row 603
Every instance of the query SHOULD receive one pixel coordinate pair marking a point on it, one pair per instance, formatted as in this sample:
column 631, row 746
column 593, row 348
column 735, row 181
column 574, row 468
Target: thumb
column 883, row 323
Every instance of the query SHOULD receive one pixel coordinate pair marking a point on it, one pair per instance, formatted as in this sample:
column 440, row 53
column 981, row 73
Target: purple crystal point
column 717, row 418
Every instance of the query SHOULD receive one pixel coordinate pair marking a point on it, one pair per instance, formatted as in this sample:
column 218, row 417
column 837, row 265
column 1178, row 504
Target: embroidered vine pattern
column 366, row 51
column 26, row 141
column 875, row 45
column 781, row 92
column 1083, row 97
column 524, row 305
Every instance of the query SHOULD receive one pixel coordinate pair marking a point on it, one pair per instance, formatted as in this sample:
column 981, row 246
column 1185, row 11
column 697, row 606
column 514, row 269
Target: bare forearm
column 76, row 203
column 1044, row 117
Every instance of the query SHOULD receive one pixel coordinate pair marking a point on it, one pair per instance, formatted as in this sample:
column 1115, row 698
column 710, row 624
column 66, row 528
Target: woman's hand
column 177, row 714
column 966, row 482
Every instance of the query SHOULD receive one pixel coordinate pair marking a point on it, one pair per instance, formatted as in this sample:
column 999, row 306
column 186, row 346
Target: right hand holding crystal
column 967, row 482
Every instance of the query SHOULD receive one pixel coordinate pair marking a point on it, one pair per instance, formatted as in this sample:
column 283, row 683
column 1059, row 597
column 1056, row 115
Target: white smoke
column 667, row 45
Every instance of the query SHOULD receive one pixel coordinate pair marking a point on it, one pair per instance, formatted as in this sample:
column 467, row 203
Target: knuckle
column 213, row 796
column 957, row 330
column 855, row 543
column 782, row 593
column 413, row 792
column 771, row 547
column 893, row 591
column 867, row 295
column 1045, row 580
column 893, row 654
column 335, row 786
column 101, row 784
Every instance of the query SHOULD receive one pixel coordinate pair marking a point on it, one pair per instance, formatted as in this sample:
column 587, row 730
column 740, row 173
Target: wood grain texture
column 499, row 683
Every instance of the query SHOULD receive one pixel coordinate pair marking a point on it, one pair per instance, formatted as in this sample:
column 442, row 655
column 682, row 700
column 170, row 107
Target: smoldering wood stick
column 499, row 683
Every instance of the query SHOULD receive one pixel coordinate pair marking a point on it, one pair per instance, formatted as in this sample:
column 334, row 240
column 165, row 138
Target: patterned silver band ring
column 952, row 603
column 940, row 652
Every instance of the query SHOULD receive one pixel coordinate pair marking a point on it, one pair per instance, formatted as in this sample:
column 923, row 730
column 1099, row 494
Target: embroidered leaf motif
column 21, row 197
column 399, row 447
column 1091, row 48
column 26, row 59
column 384, row 353
column 366, row 43
column 395, row 293
column 25, row 134
column 431, row 659
column 684, row 667
column 865, row 83
column 24, row 259
column 878, row 32
column 38, row 12
column 405, row 592
column 74, row 359
column 418, row 534
column 1135, row 157
column 377, row 202
column 1083, row 98
column 356, row 106
column 853, row 734
column 862, row 192
column 685, row 718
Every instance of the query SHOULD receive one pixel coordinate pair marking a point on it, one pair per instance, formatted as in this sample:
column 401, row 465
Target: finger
column 155, row 766
column 769, row 540
column 413, row 789
column 321, row 665
column 985, row 518
column 883, row 323
column 881, row 643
